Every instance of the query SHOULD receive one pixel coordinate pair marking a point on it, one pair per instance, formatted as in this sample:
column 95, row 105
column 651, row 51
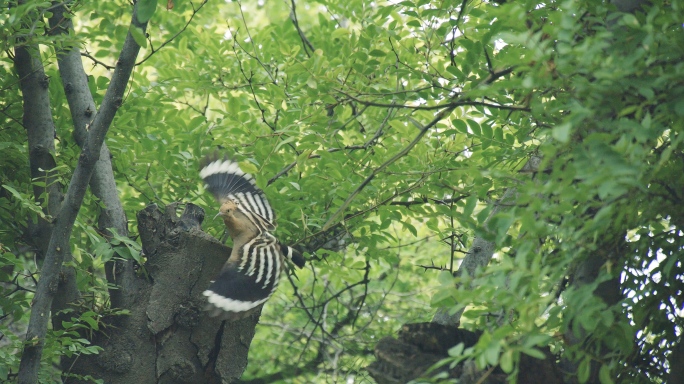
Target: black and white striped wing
column 250, row 279
column 226, row 181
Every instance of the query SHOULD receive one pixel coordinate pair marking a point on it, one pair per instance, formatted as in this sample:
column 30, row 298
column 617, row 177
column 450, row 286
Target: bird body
column 252, row 272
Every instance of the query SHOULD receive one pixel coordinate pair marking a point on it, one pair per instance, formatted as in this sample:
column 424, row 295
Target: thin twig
column 436, row 107
column 305, row 42
column 448, row 108
column 153, row 50
column 97, row 62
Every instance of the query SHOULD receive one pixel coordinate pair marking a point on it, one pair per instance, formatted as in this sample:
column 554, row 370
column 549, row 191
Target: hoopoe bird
column 252, row 272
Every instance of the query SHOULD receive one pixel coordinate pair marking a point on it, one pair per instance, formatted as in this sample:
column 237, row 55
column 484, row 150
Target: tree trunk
column 166, row 337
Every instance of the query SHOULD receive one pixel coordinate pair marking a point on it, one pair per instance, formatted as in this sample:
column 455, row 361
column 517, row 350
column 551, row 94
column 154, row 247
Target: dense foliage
column 385, row 134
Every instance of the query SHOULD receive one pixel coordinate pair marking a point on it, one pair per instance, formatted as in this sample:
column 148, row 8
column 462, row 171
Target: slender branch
column 438, row 106
column 387, row 200
column 490, row 68
column 399, row 91
column 428, row 200
column 372, row 141
column 433, row 266
column 362, row 299
column 172, row 38
column 290, row 371
column 408, row 244
column 461, row 12
column 339, row 293
column 97, row 62
column 440, row 116
column 14, row 119
column 249, row 78
column 323, row 233
column 59, row 241
column 305, row 42
column 288, row 167
column 303, row 306
column 328, row 338
column 444, row 113
column 452, row 243
column 251, row 40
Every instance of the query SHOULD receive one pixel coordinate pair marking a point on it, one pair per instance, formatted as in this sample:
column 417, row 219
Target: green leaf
column 474, row 127
column 534, row 352
column 457, row 350
column 138, row 36
column 630, row 20
column 492, row 353
column 145, row 11
column 583, row 370
column 487, row 131
column 410, row 228
column 506, row 361
column 460, row 125
column 340, row 33
column 248, row 167
column 92, row 322
column 561, row 132
column 605, row 375
column 445, row 278
column 471, row 203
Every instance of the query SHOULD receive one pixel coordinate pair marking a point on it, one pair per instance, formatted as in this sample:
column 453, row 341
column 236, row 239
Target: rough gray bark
column 167, row 338
column 41, row 134
column 59, row 240
column 82, row 108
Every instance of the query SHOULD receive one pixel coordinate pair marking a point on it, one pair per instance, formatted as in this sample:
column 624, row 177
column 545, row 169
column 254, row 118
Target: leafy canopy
column 385, row 133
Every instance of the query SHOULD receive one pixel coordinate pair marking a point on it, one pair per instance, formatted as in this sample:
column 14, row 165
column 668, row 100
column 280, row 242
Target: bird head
column 227, row 209
column 236, row 221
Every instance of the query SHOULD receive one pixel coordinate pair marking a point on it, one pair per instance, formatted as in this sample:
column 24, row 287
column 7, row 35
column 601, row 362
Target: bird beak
column 217, row 215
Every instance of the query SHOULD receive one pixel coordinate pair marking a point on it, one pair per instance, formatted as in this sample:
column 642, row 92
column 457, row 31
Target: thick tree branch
column 59, row 241
column 166, row 337
column 40, row 129
column 586, row 273
column 82, row 107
